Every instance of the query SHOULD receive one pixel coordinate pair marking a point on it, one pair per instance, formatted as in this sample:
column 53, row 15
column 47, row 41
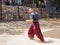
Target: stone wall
column 11, row 12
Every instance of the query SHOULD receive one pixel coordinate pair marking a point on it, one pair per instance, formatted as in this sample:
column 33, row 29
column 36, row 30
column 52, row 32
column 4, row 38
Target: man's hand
column 29, row 21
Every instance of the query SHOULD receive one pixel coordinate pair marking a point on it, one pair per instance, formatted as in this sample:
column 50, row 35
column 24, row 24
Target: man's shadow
column 49, row 41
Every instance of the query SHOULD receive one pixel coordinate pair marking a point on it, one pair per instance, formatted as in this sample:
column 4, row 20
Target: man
column 34, row 28
column 50, row 8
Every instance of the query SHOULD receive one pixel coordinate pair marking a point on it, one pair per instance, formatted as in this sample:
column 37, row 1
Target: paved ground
column 15, row 33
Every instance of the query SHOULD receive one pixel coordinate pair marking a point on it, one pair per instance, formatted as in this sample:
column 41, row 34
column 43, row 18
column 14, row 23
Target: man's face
column 30, row 11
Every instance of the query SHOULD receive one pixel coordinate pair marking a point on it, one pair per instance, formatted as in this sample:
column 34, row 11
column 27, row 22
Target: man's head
column 30, row 10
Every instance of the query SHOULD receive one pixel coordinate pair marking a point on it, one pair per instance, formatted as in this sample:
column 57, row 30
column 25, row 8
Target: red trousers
column 35, row 30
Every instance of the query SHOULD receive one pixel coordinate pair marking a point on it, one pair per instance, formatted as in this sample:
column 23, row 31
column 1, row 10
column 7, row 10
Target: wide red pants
column 35, row 30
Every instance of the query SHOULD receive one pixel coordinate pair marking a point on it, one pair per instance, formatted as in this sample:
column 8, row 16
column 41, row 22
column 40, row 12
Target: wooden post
column 18, row 12
column 41, row 10
column 0, row 9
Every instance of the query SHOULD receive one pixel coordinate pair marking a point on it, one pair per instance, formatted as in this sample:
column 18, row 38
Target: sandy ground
column 15, row 33
column 23, row 40
column 52, row 34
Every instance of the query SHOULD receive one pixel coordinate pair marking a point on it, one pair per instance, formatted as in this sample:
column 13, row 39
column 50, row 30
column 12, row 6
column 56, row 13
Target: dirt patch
column 52, row 33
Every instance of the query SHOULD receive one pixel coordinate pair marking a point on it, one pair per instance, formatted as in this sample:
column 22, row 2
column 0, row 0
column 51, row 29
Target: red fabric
column 35, row 30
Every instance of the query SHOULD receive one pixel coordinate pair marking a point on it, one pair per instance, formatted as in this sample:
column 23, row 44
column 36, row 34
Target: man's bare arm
column 29, row 21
